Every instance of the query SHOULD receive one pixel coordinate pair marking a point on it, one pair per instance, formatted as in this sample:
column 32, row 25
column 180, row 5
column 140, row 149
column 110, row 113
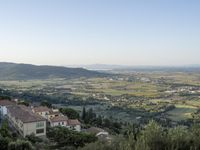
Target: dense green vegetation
column 150, row 137
column 10, row 141
column 71, row 113
column 154, row 137
column 64, row 138
column 91, row 119
column 46, row 103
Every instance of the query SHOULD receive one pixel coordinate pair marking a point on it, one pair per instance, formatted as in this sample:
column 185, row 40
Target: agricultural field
column 181, row 112
column 128, row 96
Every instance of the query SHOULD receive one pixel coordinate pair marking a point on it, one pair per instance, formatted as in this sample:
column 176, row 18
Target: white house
column 59, row 121
column 74, row 124
column 64, row 121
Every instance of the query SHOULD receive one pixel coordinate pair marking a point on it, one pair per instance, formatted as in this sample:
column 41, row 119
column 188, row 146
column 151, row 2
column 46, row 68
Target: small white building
column 59, row 121
column 64, row 121
column 74, row 124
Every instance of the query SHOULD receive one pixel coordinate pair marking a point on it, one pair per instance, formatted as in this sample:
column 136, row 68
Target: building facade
column 46, row 112
column 55, row 118
column 26, row 122
column 64, row 121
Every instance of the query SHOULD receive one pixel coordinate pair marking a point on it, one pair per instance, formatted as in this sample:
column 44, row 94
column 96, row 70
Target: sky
column 123, row 32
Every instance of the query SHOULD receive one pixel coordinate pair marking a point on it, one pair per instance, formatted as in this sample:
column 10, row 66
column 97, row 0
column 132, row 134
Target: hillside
column 13, row 71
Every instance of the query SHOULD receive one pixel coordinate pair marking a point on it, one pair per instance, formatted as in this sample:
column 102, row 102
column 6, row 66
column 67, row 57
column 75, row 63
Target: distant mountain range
column 100, row 66
column 13, row 71
column 122, row 68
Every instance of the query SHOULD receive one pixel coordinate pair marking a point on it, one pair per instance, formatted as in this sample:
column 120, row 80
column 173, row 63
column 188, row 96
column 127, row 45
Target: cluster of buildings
column 55, row 118
column 27, row 120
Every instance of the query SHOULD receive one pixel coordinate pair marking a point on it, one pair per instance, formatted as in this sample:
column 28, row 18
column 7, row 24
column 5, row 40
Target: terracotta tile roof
column 23, row 114
column 59, row 119
column 25, row 108
column 6, row 103
column 73, row 122
column 41, row 109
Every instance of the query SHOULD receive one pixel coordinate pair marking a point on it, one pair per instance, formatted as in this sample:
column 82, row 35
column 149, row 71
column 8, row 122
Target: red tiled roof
column 6, row 103
column 59, row 119
column 24, row 115
column 41, row 109
column 73, row 122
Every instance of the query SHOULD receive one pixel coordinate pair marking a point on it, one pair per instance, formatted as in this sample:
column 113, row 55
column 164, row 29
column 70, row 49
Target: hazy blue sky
column 132, row 32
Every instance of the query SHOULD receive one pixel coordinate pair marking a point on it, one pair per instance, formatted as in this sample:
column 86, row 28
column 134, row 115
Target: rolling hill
column 13, row 71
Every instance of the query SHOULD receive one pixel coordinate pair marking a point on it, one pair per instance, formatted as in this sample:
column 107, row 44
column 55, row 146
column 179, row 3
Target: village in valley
column 26, row 120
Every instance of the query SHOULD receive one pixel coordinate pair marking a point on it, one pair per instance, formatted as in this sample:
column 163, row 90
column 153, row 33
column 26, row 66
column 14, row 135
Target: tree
column 91, row 115
column 33, row 139
column 71, row 113
column 2, row 97
column 99, row 121
column 25, row 103
column 4, row 131
column 4, row 142
column 5, row 135
column 195, row 136
column 179, row 138
column 83, row 114
column 46, row 103
column 88, row 116
column 152, row 138
column 106, row 123
column 20, row 145
column 65, row 137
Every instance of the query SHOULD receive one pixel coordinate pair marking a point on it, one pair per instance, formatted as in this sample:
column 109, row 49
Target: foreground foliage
column 154, row 137
column 9, row 142
column 63, row 137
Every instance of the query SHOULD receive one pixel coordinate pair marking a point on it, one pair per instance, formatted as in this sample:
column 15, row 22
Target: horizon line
column 105, row 65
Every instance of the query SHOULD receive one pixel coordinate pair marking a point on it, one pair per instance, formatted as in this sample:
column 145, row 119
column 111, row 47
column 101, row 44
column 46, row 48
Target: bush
column 64, row 137
column 20, row 145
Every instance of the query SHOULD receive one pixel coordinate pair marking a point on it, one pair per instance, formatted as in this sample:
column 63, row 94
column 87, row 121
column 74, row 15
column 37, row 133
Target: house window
column 39, row 131
column 59, row 123
column 39, row 124
column 62, row 123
